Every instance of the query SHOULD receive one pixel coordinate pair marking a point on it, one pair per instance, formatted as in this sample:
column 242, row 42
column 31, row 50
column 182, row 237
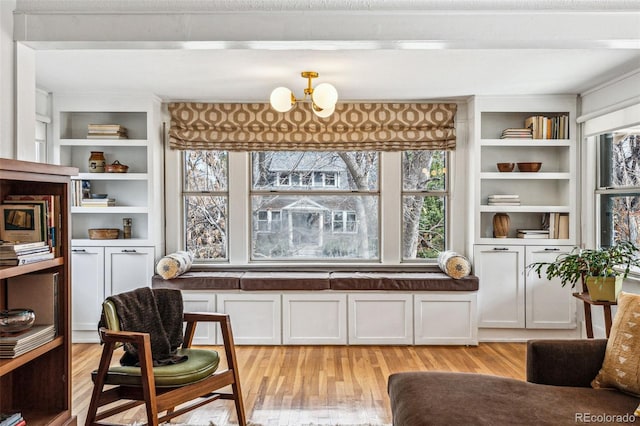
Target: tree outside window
column 619, row 187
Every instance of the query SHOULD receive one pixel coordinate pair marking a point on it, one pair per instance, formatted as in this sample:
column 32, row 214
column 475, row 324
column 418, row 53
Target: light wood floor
column 319, row 385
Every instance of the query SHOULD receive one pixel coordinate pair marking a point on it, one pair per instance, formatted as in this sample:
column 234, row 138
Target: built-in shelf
column 525, row 175
column 112, row 176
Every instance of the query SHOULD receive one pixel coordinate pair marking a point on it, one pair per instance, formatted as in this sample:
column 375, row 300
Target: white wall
column 7, row 52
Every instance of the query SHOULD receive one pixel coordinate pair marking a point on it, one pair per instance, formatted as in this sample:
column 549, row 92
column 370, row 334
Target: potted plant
column 602, row 270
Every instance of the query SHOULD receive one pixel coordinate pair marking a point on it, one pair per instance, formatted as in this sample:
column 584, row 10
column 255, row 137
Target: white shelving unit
column 513, row 304
column 104, row 267
column 134, row 190
column 551, row 190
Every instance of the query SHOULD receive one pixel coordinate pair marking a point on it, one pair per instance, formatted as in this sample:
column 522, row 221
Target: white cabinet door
column 318, row 318
column 201, row 301
column 127, row 268
column 549, row 305
column 380, row 318
column 445, row 318
column 87, row 271
column 501, row 293
column 255, row 317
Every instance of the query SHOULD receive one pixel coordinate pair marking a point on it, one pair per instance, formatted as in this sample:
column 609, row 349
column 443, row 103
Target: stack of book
column 525, row 133
column 106, row 131
column 12, row 254
column 556, row 127
column 504, row 200
column 15, row 344
column 98, row 202
column 533, row 233
column 558, row 225
column 12, row 419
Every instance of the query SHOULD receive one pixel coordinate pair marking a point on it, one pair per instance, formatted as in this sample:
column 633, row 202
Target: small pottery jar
column 96, row 162
column 501, row 224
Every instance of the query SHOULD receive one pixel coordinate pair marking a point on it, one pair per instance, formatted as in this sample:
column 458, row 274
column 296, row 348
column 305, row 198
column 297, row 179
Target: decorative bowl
column 116, row 167
column 99, row 196
column 505, row 167
column 18, row 319
column 104, row 233
column 529, row 167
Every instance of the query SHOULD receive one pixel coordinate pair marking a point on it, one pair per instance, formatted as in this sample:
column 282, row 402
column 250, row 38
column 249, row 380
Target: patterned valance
column 353, row 126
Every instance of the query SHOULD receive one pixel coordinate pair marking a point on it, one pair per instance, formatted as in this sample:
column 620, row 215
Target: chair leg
column 148, row 381
column 105, row 360
column 230, row 352
column 237, row 399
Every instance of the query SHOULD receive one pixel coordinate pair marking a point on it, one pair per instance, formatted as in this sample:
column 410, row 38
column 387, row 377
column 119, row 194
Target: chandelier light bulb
column 323, row 112
column 282, row 99
column 325, row 96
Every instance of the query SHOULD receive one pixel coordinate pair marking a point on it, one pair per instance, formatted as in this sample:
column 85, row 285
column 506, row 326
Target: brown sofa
column 557, row 392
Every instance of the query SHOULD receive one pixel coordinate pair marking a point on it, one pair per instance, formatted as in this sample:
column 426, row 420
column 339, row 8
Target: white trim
column 609, row 109
column 43, row 118
column 609, row 83
column 618, row 119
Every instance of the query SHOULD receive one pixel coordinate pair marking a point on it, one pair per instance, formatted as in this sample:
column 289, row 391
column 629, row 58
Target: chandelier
column 323, row 98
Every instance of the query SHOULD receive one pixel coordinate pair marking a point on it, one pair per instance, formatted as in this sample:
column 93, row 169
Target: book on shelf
column 106, row 131
column 21, row 222
column 98, row 202
column 533, row 233
column 13, row 254
column 503, row 200
column 11, row 246
column 15, row 344
column 553, row 127
column 27, row 259
column 524, row 133
column 20, row 291
column 563, row 226
column 504, row 196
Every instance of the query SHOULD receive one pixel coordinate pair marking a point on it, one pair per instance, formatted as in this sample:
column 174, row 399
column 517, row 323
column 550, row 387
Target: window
column 313, row 206
column 205, row 201
column 344, row 222
column 314, row 211
column 618, row 192
column 424, row 201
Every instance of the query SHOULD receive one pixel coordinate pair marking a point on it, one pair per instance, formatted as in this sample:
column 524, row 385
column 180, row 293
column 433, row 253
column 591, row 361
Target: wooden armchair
column 163, row 388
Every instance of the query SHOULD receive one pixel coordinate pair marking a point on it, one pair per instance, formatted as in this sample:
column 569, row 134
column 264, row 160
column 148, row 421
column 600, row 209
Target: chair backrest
column 110, row 316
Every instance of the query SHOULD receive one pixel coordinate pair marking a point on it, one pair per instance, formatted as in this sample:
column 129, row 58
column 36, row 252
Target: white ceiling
column 449, row 62
column 250, row 75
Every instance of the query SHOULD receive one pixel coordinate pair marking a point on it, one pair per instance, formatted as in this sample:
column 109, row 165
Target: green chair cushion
column 200, row 364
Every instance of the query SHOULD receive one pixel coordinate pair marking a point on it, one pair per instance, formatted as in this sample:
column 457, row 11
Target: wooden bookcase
column 38, row 383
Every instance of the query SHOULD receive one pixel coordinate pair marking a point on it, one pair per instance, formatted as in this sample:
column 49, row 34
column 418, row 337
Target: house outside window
column 618, row 189
column 307, row 203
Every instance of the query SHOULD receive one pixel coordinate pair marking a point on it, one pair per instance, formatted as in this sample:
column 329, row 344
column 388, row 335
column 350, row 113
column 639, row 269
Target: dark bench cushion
column 436, row 398
column 402, row 281
column 200, row 281
column 257, row 281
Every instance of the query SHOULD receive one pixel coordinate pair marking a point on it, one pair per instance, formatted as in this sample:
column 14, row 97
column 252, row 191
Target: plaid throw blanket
column 158, row 312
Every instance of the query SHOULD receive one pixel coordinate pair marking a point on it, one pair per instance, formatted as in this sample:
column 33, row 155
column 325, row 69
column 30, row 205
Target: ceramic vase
column 96, row 162
column 501, row 224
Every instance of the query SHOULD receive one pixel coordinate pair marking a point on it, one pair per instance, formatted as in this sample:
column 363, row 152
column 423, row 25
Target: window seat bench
column 291, row 307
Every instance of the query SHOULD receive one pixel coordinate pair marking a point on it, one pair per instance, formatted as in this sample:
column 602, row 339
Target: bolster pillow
column 454, row 264
column 174, row 264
